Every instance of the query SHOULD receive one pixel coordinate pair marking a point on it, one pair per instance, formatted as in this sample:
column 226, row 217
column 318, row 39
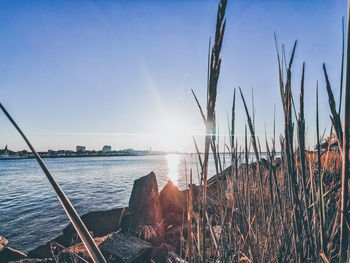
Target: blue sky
column 121, row 72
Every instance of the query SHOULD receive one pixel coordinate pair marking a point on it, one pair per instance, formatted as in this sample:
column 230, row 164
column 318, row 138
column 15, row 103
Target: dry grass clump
column 277, row 209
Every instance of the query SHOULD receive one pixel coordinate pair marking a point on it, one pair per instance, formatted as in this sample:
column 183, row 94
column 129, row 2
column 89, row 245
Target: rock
column 44, row 251
column 173, row 202
column 8, row 254
column 172, row 199
column 225, row 174
column 161, row 253
column 100, row 223
column 174, row 219
column 264, row 163
column 125, row 247
column 75, row 253
column 145, row 217
column 278, row 162
column 175, row 231
column 3, row 243
column 195, row 196
column 173, row 236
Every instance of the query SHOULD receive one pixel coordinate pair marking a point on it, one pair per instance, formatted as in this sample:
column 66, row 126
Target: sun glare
column 174, row 135
column 173, row 167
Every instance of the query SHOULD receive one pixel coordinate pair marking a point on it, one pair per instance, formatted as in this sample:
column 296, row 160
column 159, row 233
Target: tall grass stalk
column 213, row 76
column 344, row 217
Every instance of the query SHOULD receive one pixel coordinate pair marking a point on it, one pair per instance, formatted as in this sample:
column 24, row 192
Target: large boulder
column 172, row 199
column 145, row 212
column 100, row 223
column 125, row 247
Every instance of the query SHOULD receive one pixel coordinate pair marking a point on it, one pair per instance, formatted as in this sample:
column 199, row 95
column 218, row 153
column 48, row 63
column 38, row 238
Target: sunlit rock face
column 145, row 210
column 173, row 203
column 172, row 199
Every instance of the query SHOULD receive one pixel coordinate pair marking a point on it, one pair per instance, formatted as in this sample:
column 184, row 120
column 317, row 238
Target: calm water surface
column 30, row 213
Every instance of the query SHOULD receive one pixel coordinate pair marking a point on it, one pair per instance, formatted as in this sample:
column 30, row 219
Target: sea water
column 30, row 213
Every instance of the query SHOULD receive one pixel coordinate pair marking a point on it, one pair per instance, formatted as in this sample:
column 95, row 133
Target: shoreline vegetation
column 24, row 154
column 72, row 154
column 11, row 155
column 292, row 208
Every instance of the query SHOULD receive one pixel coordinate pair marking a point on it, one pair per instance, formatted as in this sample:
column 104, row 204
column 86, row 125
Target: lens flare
column 173, row 167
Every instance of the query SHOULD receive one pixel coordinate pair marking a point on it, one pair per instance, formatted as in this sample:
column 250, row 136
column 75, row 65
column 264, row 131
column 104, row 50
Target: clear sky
column 121, row 72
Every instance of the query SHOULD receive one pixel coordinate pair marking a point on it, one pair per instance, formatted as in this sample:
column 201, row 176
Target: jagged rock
column 100, row 223
column 172, row 199
column 8, row 254
column 174, row 204
column 145, row 217
column 3, row 242
column 125, row 247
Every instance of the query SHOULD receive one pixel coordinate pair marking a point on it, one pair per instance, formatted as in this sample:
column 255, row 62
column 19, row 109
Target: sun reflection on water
column 174, row 161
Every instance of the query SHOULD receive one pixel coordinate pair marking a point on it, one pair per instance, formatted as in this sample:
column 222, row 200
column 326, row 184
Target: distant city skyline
column 82, row 148
column 120, row 73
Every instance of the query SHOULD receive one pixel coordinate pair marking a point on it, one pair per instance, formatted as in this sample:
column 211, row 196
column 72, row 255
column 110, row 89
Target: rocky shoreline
column 149, row 229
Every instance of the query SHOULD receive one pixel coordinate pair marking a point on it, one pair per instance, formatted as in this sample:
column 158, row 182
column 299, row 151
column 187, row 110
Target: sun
column 174, row 135
column 174, row 161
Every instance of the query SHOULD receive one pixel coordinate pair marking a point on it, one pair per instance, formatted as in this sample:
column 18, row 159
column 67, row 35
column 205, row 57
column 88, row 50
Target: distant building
column 80, row 149
column 128, row 151
column 6, row 153
column 106, row 149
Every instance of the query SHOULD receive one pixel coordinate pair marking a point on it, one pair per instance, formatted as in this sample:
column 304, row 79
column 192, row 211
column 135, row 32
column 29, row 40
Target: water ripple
column 30, row 213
